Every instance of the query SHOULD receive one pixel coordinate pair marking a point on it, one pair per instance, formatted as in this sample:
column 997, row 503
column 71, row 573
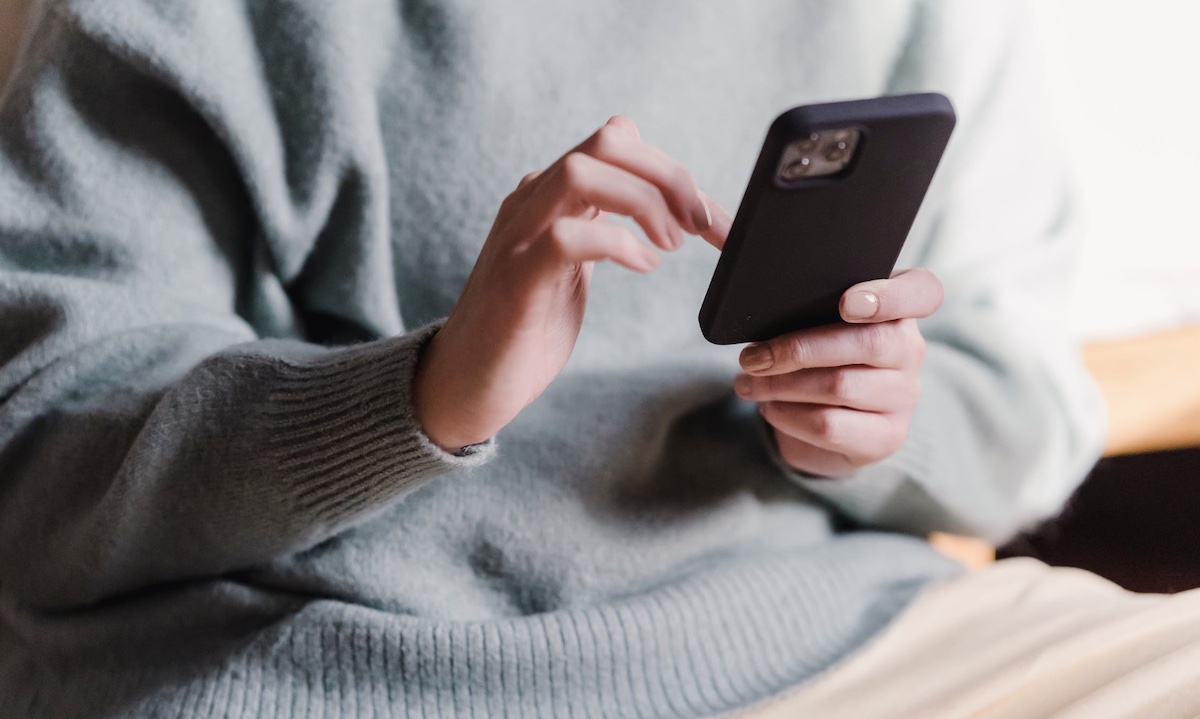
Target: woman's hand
column 518, row 317
column 841, row 397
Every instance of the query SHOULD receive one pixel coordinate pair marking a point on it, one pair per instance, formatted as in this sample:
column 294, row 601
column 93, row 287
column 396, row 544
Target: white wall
column 1125, row 79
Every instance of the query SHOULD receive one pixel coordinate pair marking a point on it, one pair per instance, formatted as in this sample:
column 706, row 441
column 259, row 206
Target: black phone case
column 794, row 248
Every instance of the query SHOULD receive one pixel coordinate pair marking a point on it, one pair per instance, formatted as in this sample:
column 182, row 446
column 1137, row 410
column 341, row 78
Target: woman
column 249, row 471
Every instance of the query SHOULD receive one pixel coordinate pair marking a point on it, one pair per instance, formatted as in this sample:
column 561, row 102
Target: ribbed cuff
column 344, row 434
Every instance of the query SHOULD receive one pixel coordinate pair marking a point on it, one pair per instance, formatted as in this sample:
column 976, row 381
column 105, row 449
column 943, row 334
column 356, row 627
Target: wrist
column 437, row 405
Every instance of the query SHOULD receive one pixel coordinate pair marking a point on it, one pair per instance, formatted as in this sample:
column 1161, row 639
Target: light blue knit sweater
column 228, row 226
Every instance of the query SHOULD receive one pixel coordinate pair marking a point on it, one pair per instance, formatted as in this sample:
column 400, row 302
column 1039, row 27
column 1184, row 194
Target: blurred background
column 1125, row 82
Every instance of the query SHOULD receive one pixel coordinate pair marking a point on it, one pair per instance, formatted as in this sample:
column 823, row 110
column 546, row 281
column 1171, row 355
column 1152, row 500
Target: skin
column 841, row 397
column 837, row 397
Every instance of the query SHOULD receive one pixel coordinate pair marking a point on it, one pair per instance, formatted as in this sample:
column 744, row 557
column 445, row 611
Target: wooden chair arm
column 1151, row 384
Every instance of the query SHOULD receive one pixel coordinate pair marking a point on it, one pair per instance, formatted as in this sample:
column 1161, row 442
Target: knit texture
column 227, row 230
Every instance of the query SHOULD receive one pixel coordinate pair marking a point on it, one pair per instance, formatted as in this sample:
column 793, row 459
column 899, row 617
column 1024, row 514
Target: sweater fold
column 701, row 646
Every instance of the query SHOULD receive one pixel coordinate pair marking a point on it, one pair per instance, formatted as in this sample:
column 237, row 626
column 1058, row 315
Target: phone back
column 795, row 247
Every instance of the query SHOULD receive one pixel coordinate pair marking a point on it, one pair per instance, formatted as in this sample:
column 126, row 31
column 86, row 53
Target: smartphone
column 832, row 198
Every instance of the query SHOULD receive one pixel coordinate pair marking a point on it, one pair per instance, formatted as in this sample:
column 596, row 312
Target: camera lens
column 796, row 169
column 809, row 144
column 837, row 151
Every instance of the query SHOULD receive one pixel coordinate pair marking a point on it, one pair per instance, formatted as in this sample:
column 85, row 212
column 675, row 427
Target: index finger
column 618, row 143
column 909, row 294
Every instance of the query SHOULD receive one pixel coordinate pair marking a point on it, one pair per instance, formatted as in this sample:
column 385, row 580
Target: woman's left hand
column 840, row 397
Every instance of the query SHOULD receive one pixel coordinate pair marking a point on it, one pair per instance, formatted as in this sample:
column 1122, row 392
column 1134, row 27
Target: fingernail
column 860, row 306
column 702, row 216
column 757, row 358
column 722, row 218
column 742, row 385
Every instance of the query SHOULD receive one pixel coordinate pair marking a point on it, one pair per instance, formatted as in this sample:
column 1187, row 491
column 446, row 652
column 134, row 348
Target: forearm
column 127, row 463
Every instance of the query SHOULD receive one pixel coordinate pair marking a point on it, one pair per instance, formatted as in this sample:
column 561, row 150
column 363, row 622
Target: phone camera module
column 821, row 154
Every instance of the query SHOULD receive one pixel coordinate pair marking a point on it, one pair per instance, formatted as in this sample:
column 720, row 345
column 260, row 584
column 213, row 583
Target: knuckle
column 827, row 427
column 506, row 205
column 526, row 179
column 574, row 167
column 841, row 384
column 558, row 236
column 793, row 350
column 604, row 139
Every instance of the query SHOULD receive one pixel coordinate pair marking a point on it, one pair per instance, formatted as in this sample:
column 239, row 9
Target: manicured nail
column 742, row 385
column 756, row 358
column 860, row 306
column 702, row 216
column 721, row 218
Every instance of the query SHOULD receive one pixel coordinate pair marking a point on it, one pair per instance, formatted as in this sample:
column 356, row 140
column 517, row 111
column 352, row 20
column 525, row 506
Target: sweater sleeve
column 163, row 195
column 1009, row 421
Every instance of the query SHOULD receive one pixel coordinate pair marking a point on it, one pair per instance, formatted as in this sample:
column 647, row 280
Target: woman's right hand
column 519, row 315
